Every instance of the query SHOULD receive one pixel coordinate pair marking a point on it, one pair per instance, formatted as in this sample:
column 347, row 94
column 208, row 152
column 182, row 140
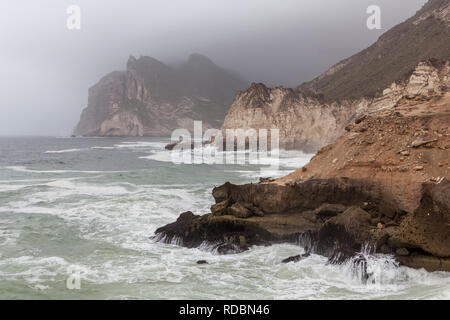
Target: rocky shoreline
column 384, row 184
column 381, row 175
column 329, row 217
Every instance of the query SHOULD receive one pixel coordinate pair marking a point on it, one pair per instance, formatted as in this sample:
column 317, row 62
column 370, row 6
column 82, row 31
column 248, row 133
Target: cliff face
column 152, row 99
column 304, row 122
column 316, row 113
column 384, row 183
column 308, row 123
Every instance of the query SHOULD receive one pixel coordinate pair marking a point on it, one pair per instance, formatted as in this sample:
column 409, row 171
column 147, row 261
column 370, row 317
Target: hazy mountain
column 151, row 98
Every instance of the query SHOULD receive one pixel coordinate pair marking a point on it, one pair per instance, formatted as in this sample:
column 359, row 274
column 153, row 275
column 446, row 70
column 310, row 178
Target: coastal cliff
column 316, row 113
column 380, row 180
column 309, row 123
column 151, row 98
column 384, row 185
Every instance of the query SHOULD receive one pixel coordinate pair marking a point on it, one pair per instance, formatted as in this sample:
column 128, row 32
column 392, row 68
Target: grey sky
column 46, row 69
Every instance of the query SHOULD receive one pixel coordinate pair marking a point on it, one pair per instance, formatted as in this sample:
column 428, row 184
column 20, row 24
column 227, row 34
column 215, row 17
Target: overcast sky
column 47, row 69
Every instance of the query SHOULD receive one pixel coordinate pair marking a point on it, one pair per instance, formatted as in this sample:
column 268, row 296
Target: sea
column 77, row 216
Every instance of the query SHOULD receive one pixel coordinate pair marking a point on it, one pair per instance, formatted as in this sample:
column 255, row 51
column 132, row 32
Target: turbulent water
column 90, row 206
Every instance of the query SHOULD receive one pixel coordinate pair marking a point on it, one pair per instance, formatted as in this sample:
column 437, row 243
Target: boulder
column 327, row 210
column 428, row 228
column 239, row 211
column 345, row 233
column 220, row 208
column 296, row 258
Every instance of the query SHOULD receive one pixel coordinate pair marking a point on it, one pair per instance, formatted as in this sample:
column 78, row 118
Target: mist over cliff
column 317, row 112
column 151, row 98
column 47, row 69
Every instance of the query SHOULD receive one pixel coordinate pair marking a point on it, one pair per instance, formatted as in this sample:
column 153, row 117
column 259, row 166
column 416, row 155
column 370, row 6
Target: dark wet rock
column 296, row 258
column 326, row 210
column 358, row 265
column 292, row 259
column 229, row 248
column 329, row 214
column 172, row 145
column 344, row 233
column 178, row 228
column 402, row 252
column 183, row 144
column 202, row 262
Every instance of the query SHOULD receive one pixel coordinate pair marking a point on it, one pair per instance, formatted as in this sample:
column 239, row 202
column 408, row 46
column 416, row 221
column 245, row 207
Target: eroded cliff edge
column 308, row 123
column 315, row 113
column 384, row 182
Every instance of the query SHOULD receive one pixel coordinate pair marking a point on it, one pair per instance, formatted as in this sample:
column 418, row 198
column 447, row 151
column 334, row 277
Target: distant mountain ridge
column 151, row 98
column 394, row 56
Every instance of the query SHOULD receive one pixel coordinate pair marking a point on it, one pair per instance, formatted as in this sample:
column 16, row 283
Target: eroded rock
column 328, row 213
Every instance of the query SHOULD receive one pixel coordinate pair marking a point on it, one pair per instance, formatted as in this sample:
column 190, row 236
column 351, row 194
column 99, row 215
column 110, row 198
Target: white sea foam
column 162, row 156
column 11, row 187
column 62, row 151
column 103, row 148
column 90, row 189
column 286, row 159
column 8, row 237
column 102, row 227
column 141, row 145
column 25, row 169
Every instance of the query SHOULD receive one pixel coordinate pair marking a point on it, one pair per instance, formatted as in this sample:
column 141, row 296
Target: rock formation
column 308, row 123
column 152, row 99
column 316, row 113
column 385, row 184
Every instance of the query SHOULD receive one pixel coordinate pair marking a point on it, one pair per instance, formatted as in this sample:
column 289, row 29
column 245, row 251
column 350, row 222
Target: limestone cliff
column 316, row 113
column 385, row 183
column 308, row 123
column 151, row 98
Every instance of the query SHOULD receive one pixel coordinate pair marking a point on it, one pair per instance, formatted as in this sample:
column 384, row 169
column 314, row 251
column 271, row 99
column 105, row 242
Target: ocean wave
column 25, row 169
column 89, row 189
column 141, row 145
column 62, row 151
column 11, row 187
column 163, row 156
column 103, row 148
column 209, row 155
column 263, row 172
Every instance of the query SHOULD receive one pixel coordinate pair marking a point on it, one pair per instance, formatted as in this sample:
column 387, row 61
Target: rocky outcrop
column 309, row 123
column 303, row 122
column 153, row 99
column 383, row 184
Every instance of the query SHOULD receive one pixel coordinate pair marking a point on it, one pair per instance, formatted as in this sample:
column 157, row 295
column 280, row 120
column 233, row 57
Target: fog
column 46, row 69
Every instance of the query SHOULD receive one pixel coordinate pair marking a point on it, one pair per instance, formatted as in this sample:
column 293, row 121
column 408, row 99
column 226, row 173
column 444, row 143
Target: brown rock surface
column 349, row 189
column 308, row 123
